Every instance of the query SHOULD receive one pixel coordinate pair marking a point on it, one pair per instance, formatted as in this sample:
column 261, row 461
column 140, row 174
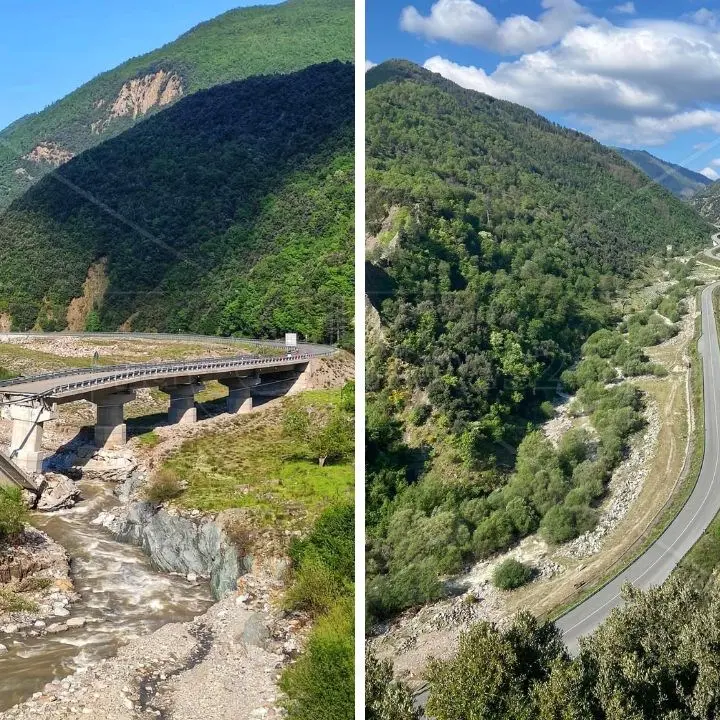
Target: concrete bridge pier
column 27, row 431
column 110, row 428
column 239, row 400
column 182, row 402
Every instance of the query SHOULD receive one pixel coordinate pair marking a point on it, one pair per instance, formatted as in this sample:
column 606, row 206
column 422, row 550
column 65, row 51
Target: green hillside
column 677, row 179
column 707, row 202
column 231, row 211
column 498, row 242
column 238, row 44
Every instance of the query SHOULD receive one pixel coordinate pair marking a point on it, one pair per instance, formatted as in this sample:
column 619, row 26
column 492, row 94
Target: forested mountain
column 497, row 242
column 238, row 44
column 707, row 202
column 677, row 179
column 230, row 211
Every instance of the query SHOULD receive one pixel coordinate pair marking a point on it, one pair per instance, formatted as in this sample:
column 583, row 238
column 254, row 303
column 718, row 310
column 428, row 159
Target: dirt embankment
column 94, row 289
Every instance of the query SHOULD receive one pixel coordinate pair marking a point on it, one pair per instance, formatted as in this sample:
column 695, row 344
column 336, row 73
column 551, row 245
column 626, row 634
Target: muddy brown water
column 122, row 598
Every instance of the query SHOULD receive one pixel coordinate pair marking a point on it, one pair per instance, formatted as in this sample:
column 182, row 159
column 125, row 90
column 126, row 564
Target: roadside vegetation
column 654, row 658
column 321, row 683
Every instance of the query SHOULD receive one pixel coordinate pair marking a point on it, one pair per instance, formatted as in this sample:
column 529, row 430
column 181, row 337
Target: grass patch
column 149, row 439
column 11, row 601
column 254, row 465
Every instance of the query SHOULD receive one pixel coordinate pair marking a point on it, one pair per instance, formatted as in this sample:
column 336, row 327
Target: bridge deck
column 67, row 385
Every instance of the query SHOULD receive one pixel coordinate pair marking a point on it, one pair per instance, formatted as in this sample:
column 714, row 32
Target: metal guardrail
column 128, row 371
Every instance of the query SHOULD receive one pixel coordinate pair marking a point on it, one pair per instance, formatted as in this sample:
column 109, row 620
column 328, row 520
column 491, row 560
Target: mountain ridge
column 499, row 242
column 229, row 47
column 231, row 211
column 679, row 180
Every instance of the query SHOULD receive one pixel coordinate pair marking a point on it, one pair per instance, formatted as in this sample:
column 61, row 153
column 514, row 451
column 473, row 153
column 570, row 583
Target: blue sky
column 643, row 74
column 51, row 47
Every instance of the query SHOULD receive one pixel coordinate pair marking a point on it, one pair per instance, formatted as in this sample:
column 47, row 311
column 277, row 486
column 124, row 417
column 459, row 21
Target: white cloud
column 703, row 16
column 469, row 23
column 708, row 172
column 715, row 162
column 641, row 83
column 627, row 8
column 369, row 64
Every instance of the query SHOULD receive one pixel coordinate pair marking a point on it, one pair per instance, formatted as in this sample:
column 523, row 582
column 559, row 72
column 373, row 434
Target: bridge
column 29, row 402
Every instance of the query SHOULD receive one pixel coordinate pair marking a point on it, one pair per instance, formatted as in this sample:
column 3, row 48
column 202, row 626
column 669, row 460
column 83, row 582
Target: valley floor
column 639, row 493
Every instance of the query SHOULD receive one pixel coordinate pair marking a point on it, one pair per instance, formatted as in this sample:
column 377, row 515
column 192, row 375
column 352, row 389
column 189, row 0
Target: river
column 122, row 597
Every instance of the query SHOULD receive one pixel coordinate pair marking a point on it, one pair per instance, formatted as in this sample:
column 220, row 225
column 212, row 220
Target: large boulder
column 59, row 492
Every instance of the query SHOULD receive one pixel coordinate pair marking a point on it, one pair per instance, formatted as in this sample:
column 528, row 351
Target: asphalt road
column 655, row 565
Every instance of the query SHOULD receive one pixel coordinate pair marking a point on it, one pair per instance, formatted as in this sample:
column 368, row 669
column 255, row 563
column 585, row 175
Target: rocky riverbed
column 183, row 670
column 35, row 585
column 222, row 665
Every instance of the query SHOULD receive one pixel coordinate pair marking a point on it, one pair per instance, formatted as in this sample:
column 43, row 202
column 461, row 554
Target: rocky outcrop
column 49, row 153
column 35, row 573
column 138, row 96
column 94, row 289
column 192, row 546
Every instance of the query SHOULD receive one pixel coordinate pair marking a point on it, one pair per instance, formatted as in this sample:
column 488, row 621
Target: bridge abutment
column 27, row 432
column 239, row 400
column 110, row 428
column 182, row 402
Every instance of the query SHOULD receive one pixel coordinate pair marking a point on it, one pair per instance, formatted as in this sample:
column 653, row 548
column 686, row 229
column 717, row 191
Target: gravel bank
column 223, row 665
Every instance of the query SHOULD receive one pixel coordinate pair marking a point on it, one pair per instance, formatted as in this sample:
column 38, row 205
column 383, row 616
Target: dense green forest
column 230, row 211
column 238, row 44
column 677, row 179
column 654, row 658
column 499, row 241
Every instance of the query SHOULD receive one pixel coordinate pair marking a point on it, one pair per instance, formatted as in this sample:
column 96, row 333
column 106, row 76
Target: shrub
column 547, row 409
column 494, row 533
column 165, row 485
column 237, row 532
column 331, row 541
column 522, row 516
column 321, row 684
column 511, row 574
column 13, row 512
column 563, row 523
column 385, row 697
column 604, row 343
column 420, row 414
column 413, row 585
column 315, row 589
